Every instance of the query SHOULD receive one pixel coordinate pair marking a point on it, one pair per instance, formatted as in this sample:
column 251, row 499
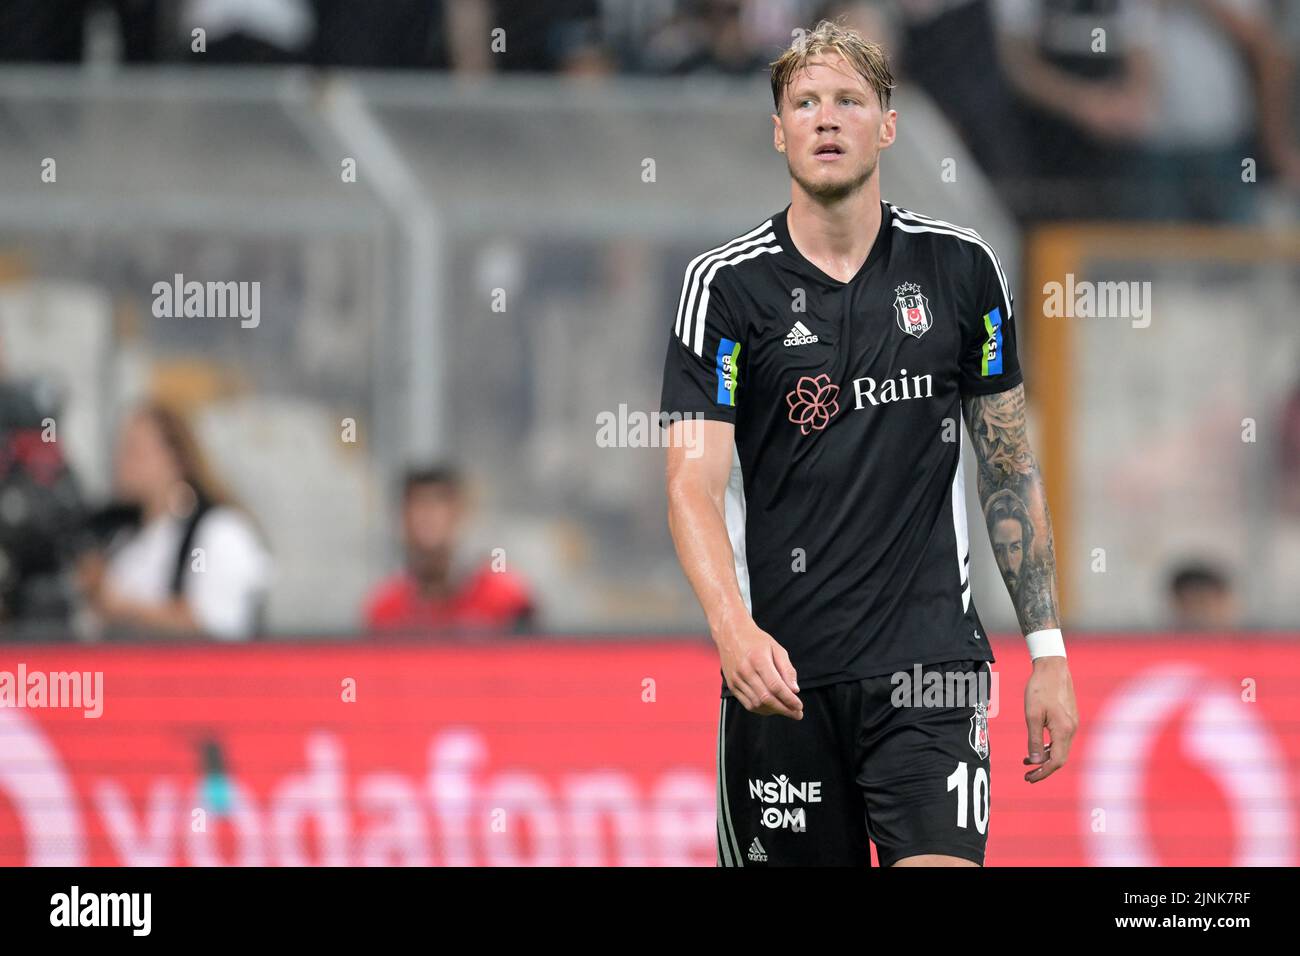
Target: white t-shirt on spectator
column 1131, row 26
column 224, row 596
column 1207, row 96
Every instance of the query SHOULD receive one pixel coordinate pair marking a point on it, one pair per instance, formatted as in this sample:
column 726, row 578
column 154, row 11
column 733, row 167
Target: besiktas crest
column 913, row 309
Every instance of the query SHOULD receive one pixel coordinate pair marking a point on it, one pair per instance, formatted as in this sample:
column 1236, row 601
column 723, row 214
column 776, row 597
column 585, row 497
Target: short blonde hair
column 867, row 58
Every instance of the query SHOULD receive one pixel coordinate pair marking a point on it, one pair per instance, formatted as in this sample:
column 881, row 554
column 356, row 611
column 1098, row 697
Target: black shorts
column 913, row 779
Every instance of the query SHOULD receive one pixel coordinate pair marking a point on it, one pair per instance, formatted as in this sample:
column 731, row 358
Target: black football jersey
column 846, row 506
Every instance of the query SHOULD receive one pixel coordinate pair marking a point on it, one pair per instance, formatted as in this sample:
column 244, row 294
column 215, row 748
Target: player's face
column 832, row 127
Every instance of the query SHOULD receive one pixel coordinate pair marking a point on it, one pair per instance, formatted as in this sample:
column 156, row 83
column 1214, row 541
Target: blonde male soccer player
column 829, row 352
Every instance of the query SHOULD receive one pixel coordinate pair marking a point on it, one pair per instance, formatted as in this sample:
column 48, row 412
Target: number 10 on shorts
column 957, row 780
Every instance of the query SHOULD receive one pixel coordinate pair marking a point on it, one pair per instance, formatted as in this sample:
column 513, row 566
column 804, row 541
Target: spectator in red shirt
column 432, row 594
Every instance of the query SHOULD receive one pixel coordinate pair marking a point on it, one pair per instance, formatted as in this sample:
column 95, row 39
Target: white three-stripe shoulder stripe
column 693, row 305
column 909, row 221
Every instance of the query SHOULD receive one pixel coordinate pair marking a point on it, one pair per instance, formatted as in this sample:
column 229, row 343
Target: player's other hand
column 1050, row 707
column 758, row 671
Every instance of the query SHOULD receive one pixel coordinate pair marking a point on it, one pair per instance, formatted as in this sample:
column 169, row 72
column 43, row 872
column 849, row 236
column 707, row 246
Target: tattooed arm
column 1015, row 507
column 1020, row 530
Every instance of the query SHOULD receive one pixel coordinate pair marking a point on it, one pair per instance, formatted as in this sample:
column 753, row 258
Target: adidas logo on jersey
column 800, row 335
column 756, row 852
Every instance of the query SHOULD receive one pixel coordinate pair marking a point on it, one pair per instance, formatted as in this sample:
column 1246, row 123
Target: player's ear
column 888, row 129
column 778, row 136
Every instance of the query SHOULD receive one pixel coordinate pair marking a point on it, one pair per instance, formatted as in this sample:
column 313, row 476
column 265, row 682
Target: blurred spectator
column 1083, row 72
column 41, row 31
column 437, row 34
column 704, row 36
column 937, row 37
column 566, row 36
column 1290, row 453
column 1201, row 598
column 433, row 593
column 40, row 511
column 184, row 558
column 247, row 31
column 428, row 34
column 54, row 31
column 1224, row 95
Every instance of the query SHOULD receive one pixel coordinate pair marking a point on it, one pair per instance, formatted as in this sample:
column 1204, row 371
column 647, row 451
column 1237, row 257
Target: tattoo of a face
column 1015, row 508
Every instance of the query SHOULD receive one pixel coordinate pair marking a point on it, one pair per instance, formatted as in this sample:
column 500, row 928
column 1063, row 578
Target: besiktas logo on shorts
column 781, row 792
column 979, row 730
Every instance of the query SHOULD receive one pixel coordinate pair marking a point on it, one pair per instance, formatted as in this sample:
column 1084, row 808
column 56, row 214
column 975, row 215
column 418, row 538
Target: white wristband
column 1047, row 643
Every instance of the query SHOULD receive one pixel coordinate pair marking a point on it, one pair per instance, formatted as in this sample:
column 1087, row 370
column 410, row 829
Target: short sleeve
column 989, row 360
column 704, row 369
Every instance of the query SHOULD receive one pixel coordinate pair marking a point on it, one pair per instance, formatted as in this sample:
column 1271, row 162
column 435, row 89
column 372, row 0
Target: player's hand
column 759, row 672
column 1049, row 705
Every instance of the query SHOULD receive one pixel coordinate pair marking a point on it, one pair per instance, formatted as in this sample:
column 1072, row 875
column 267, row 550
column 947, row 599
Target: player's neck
column 836, row 237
